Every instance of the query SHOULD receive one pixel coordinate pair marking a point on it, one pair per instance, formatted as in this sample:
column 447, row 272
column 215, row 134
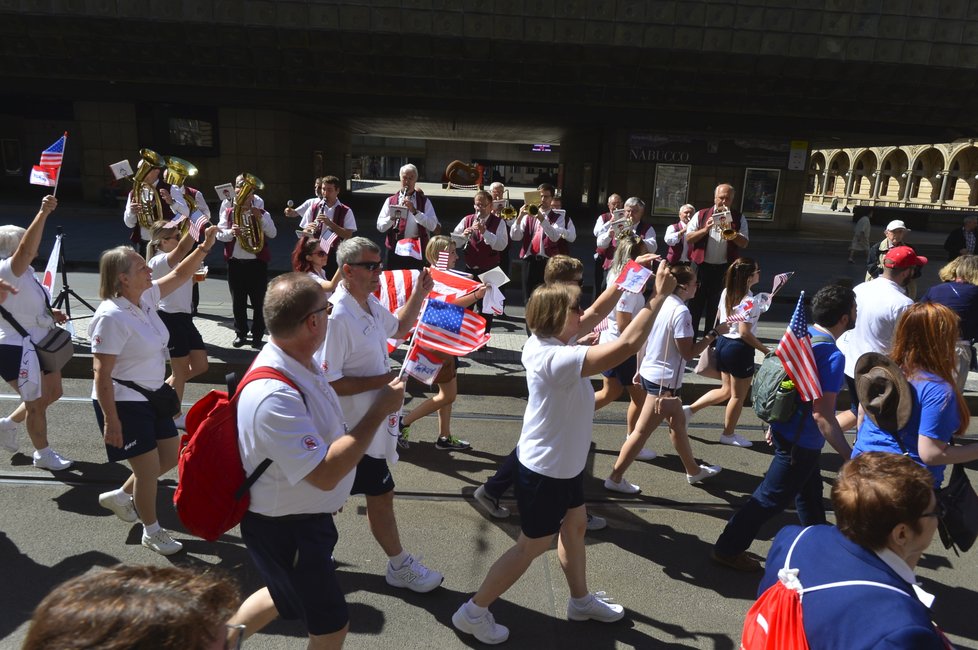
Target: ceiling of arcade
column 517, row 70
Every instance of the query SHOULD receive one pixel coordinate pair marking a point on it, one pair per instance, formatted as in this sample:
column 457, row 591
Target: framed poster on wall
column 760, row 193
column 671, row 188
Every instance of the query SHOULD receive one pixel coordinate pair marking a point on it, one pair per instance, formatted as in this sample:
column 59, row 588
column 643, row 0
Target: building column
column 877, row 177
column 825, row 184
column 945, row 174
column 906, row 189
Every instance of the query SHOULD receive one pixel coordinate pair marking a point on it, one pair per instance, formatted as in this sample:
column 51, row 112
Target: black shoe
column 238, row 342
column 452, row 444
column 257, row 343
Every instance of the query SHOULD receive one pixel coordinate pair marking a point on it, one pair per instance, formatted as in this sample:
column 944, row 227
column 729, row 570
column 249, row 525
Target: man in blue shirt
column 794, row 472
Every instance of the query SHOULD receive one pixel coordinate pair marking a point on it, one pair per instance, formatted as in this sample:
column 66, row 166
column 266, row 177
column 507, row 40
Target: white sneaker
column 598, row 608
column 181, row 421
column 622, row 486
column 735, row 440
column 594, row 522
column 706, row 471
column 688, row 414
column 485, row 628
column 414, row 576
column 51, row 460
column 162, row 543
column 490, row 504
column 8, row 440
column 125, row 511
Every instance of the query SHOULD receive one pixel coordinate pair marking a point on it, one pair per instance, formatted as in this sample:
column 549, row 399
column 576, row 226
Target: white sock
column 582, row 601
column 43, row 452
column 398, row 561
column 120, row 496
column 151, row 529
column 473, row 611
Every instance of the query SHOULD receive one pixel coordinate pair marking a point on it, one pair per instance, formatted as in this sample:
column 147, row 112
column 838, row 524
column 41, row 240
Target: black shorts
column 624, row 372
column 373, row 477
column 141, row 428
column 853, row 396
column 544, row 501
column 735, row 357
column 10, row 357
column 294, row 556
column 184, row 336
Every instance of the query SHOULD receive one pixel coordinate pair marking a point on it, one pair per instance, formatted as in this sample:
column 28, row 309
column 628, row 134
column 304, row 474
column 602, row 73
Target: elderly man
column 711, row 253
column 542, row 236
column 634, row 209
column 603, row 256
column 961, row 241
column 298, row 425
column 675, row 236
column 356, row 364
column 418, row 223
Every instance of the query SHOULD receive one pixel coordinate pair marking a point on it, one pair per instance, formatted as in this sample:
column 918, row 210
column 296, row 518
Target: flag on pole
column 442, row 263
column 795, row 352
column 47, row 170
column 47, row 176
column 450, row 329
column 408, row 248
column 633, row 277
column 51, row 270
column 422, row 365
column 395, row 288
column 198, row 223
column 326, row 239
column 451, row 285
column 779, row 281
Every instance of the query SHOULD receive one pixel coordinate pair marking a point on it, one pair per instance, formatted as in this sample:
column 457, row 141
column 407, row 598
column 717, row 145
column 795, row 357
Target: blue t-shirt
column 831, row 376
column 962, row 297
column 934, row 414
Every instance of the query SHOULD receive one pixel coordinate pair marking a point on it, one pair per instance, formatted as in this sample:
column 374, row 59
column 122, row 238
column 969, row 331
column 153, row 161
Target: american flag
column 779, row 281
column 442, row 263
column 450, row 329
column 795, row 352
column 198, row 223
column 52, row 156
column 326, row 239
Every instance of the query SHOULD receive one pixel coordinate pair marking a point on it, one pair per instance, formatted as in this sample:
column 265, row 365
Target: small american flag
column 198, row 222
column 52, row 156
column 451, row 329
column 795, row 352
column 326, row 239
column 46, row 172
column 779, row 281
column 442, row 262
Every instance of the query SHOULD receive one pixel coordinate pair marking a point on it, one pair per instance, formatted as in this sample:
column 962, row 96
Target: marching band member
column 675, row 237
column 604, row 256
column 332, row 215
column 247, row 272
column 295, row 213
column 485, row 236
column 498, row 192
column 173, row 206
column 419, row 224
column 543, row 236
column 634, row 209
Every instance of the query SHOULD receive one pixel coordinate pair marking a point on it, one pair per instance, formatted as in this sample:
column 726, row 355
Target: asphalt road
column 652, row 558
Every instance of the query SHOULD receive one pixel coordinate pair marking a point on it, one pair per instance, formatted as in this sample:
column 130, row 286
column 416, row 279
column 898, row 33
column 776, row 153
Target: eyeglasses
column 328, row 309
column 235, row 636
column 370, row 266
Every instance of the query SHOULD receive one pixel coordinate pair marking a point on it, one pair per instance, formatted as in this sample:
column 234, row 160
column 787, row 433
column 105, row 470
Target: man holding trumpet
column 630, row 222
column 544, row 233
column 714, row 237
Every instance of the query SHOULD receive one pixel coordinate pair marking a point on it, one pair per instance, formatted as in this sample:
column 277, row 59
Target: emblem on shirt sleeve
column 97, row 340
column 310, row 443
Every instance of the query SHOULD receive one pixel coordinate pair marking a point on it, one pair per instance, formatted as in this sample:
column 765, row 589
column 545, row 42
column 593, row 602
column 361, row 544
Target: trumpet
column 252, row 237
column 145, row 197
column 509, row 212
column 621, row 227
column 723, row 224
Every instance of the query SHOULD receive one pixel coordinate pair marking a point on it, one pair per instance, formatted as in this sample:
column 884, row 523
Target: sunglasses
column 320, row 253
column 370, row 266
column 328, row 309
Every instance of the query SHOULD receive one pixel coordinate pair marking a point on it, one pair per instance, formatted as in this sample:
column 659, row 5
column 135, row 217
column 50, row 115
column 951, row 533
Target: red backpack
column 212, row 491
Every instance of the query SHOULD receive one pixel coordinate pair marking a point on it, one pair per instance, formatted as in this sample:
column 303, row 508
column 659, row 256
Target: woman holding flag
column 19, row 366
column 188, row 354
column 447, row 377
column 735, row 350
column 553, row 446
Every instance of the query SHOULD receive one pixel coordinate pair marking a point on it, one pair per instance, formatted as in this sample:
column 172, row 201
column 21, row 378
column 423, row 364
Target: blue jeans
column 794, row 474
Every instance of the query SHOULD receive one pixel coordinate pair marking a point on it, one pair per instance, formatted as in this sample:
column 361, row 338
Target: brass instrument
column 252, row 237
column 176, row 173
column 532, row 202
column 145, row 197
column 621, row 225
column 508, row 212
column 723, row 223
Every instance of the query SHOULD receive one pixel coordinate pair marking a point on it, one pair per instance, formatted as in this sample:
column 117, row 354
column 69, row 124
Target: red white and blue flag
column 779, row 281
column 46, row 172
column 408, row 248
column 422, row 365
column 442, row 263
column 450, row 329
column 198, row 223
column 795, row 352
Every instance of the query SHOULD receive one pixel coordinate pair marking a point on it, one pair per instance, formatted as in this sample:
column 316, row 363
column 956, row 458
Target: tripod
column 66, row 291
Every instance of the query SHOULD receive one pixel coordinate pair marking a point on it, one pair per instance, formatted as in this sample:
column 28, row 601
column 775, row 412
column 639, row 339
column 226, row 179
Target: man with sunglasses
column 355, row 360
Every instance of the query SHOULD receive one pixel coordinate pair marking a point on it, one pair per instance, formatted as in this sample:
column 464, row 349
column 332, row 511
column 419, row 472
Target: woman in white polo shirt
column 129, row 345
column 553, row 446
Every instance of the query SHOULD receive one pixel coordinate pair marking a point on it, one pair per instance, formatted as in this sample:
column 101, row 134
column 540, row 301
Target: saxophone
column 176, row 173
column 252, row 237
column 145, row 197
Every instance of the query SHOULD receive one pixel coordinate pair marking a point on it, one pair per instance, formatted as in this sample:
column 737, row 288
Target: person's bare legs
column 35, row 411
column 257, row 611
column 611, row 389
column 645, row 424
column 383, row 523
column 571, row 551
column 510, row 567
column 740, row 386
column 715, row 396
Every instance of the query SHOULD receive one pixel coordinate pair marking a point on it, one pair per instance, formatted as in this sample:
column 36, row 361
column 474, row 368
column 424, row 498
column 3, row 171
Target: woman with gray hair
column 129, row 343
column 31, row 309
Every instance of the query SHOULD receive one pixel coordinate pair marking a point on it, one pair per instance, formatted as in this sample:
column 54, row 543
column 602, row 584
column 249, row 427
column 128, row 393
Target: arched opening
column 862, row 175
column 893, row 176
column 838, row 168
column 927, row 177
column 962, row 187
column 816, row 174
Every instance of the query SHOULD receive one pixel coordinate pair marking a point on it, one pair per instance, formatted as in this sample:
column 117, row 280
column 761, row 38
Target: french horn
column 145, row 197
column 252, row 237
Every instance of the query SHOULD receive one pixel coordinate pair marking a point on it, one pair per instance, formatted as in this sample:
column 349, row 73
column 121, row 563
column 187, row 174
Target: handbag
column 958, row 525
column 164, row 400
column 707, row 364
column 53, row 351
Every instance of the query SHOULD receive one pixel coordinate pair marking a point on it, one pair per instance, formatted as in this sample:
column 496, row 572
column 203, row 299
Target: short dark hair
column 330, row 180
column 547, row 187
column 831, row 303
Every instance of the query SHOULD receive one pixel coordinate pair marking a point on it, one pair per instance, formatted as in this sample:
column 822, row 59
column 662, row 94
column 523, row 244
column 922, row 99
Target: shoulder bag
column 53, row 351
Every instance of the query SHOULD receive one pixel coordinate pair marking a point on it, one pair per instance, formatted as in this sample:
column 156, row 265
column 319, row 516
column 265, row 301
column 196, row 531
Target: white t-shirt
column 629, row 303
column 180, row 300
column 356, row 346
column 879, row 304
column 559, row 416
column 28, row 306
column 137, row 337
column 734, row 332
column 274, row 422
column 663, row 364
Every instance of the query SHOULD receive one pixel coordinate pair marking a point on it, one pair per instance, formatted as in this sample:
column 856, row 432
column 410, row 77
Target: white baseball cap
column 896, row 224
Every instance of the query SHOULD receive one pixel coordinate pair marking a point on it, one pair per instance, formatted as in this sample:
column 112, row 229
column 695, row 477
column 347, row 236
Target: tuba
column 252, row 237
column 176, row 173
column 723, row 224
column 145, row 197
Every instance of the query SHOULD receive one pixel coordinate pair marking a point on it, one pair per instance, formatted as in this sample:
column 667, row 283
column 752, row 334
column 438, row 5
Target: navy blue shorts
column 853, row 396
column 373, row 477
column 544, row 501
column 624, row 372
column 184, row 336
column 141, row 428
column 655, row 390
column 10, row 356
column 294, row 556
column 735, row 357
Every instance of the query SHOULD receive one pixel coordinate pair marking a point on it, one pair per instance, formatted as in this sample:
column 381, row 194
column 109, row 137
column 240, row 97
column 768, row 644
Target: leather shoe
column 740, row 562
column 238, row 342
column 257, row 343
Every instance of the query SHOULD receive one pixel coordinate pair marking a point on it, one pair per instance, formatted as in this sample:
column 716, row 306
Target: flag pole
column 57, row 178
column 414, row 339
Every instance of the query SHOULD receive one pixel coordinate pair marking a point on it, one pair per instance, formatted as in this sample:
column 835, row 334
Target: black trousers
column 247, row 280
column 477, row 305
column 533, row 268
column 707, row 298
